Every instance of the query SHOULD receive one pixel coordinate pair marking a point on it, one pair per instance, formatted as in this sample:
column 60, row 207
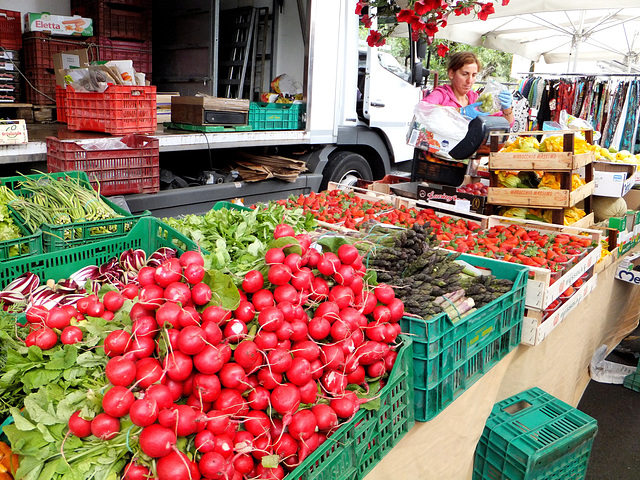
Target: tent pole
column 577, row 39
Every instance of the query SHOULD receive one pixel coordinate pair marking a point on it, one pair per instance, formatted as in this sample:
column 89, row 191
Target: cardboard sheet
column 443, row 449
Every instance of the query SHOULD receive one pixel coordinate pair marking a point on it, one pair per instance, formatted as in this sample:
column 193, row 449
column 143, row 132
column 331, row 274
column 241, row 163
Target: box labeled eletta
column 58, row 24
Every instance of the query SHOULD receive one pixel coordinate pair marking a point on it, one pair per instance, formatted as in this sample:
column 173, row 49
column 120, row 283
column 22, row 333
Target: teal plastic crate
column 448, row 358
column 358, row 445
column 148, row 233
column 58, row 237
column 230, row 206
column 534, row 436
column 277, row 116
column 30, row 243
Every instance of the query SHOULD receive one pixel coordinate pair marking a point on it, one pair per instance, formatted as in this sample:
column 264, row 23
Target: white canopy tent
column 558, row 31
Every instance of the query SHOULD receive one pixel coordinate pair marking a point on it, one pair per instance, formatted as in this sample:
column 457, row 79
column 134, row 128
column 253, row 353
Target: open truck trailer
column 358, row 100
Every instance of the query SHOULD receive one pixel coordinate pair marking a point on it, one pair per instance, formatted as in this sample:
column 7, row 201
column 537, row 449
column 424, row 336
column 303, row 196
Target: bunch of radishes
column 254, row 390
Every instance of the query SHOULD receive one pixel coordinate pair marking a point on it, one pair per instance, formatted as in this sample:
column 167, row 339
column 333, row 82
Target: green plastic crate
column 58, row 237
column 534, row 436
column 148, row 234
column 357, row 446
column 29, row 244
column 276, row 116
column 448, row 358
column 230, row 206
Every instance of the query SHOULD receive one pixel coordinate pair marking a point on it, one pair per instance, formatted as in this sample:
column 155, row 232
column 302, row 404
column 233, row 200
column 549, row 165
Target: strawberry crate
column 119, row 110
column 358, row 445
column 10, row 30
column 450, row 357
column 62, row 236
column 131, row 169
column 534, row 436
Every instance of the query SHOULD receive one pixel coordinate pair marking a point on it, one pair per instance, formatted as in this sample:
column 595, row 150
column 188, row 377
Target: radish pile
column 249, row 392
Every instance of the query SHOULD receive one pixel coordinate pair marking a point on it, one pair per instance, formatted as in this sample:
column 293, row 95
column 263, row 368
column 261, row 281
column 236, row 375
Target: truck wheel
column 346, row 168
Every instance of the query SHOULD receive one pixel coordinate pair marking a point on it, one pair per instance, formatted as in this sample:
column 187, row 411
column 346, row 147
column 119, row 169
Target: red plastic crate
column 42, row 90
column 116, row 21
column 119, row 110
column 139, row 52
column 39, row 48
column 61, row 104
column 10, row 30
column 111, row 172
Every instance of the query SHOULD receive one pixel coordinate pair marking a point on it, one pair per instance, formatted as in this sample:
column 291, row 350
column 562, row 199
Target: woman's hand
column 471, row 111
column 506, row 99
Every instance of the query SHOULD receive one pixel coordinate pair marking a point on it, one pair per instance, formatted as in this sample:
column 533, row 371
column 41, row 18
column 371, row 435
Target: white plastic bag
column 436, row 128
column 489, row 97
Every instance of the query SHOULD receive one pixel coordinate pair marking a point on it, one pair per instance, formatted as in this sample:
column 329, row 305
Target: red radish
column 45, row 338
column 71, row 335
column 148, row 371
column 305, row 242
column 328, row 264
column 313, row 257
column 263, row 299
column 95, row 309
column 169, row 314
column 279, row 360
column 269, row 379
column 302, row 279
column 161, row 394
column 170, row 271
column 264, row 473
column 396, row 307
column 334, row 382
column 212, row 465
column 274, row 256
column 191, row 258
column 78, row 426
column 279, row 274
column 230, row 402
column 252, row 281
column 176, row 465
column 317, row 369
column 258, row 398
column 178, row 292
column 210, row 360
column 107, row 315
column 309, row 445
column 342, row 295
column 376, row 369
column 332, row 357
column 245, row 311
column 306, row 349
column 357, row 285
column 189, row 316
column 303, row 425
column 146, row 276
column 224, row 446
column 381, row 314
column 246, row 354
column 243, row 464
column 204, row 441
column 198, row 403
column 141, row 347
column 286, row 293
column 233, row 375
column 367, row 302
column 235, row 331
column 285, row 446
column 266, row 340
column 104, row 426
column 144, row 411
column 130, row 291
column 262, row 447
column 326, row 417
column 175, row 388
column 390, row 360
column 144, row 326
column 371, row 351
column 283, row 230
column 257, row 423
column 293, row 261
column 299, row 331
column 113, row 301
column 212, row 332
column 347, row 254
column 345, row 406
column 151, row 297
column 319, row 328
column 201, row 293
column 120, row 371
column 218, row 422
column 217, row 314
column 319, row 289
column 270, row 318
column 285, row 331
column 135, row 471
column 194, row 273
column 177, row 365
column 299, row 372
column 192, row 340
column 58, row 318
column 344, row 275
column 384, row 293
column 328, row 310
column 309, row 392
column 39, row 314
column 117, row 401
column 187, row 420
column 285, row 399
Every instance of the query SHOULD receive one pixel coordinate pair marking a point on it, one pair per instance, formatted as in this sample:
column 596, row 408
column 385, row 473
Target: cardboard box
column 193, row 110
column 632, row 197
column 626, row 270
column 419, row 137
column 437, row 195
column 613, row 179
column 69, row 59
column 58, row 24
column 13, row 132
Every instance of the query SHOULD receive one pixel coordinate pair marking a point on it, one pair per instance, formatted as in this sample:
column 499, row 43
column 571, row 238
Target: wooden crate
column 546, row 161
column 539, row 198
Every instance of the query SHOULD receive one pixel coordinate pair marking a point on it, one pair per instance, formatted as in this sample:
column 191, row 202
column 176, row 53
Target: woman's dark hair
column 460, row 59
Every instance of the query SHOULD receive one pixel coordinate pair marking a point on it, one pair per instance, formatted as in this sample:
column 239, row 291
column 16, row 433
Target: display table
column 443, row 448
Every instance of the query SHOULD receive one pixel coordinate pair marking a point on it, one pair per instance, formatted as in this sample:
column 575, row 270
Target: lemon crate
column 449, row 357
column 57, row 237
column 28, row 244
column 357, row 446
column 276, row 116
column 534, row 436
column 148, row 234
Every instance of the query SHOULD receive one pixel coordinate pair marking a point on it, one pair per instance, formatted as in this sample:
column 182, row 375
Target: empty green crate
column 58, row 237
column 148, row 234
column 276, row 116
column 230, row 206
column 358, row 445
column 448, row 358
column 534, row 436
column 30, row 243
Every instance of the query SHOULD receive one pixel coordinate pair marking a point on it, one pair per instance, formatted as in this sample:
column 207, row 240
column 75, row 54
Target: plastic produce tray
column 112, row 21
column 148, row 234
column 357, row 446
column 230, row 206
column 276, row 116
column 534, row 436
column 111, row 172
column 448, row 358
column 119, row 110
column 10, row 30
column 61, row 104
column 28, row 244
column 58, row 237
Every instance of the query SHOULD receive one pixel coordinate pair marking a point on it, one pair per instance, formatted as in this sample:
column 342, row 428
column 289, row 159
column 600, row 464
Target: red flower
column 442, row 50
column 462, row 11
column 366, row 20
column 407, row 16
column 359, row 6
column 487, row 9
column 505, row 3
column 375, row 39
column 422, row 7
column 431, row 29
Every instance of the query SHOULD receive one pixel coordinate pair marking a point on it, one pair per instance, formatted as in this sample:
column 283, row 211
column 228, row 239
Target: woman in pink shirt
column 462, row 69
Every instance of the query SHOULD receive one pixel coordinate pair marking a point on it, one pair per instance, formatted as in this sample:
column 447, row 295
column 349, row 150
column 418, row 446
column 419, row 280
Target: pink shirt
column 443, row 95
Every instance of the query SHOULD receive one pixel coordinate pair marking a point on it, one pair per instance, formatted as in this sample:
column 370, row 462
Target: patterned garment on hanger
column 627, row 141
